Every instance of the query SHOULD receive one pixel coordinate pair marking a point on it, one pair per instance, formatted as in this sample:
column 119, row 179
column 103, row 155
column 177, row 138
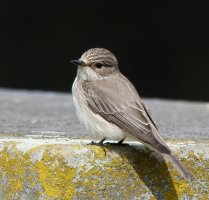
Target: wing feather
column 120, row 104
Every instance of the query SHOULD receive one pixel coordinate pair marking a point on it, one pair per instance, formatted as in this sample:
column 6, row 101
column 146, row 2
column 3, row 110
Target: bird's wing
column 117, row 101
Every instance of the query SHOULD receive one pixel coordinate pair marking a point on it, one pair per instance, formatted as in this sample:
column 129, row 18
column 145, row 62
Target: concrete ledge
column 60, row 168
column 53, row 114
column 39, row 159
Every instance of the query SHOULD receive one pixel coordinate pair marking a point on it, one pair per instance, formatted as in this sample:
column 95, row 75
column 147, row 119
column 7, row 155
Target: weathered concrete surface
column 69, row 169
column 39, row 159
column 53, row 114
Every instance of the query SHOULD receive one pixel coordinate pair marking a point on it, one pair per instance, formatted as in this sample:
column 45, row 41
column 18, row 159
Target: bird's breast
column 94, row 123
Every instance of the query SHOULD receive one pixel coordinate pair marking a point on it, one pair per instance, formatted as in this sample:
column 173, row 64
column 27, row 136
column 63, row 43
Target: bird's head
column 96, row 63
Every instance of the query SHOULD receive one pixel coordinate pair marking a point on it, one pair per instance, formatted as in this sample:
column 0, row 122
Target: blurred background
column 162, row 49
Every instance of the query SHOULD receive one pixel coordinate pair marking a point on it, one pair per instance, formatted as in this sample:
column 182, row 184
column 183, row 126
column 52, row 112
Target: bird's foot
column 118, row 143
column 100, row 144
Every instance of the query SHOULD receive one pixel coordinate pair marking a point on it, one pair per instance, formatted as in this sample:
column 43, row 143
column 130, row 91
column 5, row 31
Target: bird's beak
column 78, row 62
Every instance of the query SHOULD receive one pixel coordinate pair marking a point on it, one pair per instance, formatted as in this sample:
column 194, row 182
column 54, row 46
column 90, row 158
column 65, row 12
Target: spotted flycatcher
column 110, row 107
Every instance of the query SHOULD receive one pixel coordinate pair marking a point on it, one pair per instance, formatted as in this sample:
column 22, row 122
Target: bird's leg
column 121, row 141
column 100, row 143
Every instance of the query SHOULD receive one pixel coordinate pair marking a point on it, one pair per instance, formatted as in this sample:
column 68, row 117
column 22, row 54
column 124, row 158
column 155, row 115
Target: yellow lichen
column 55, row 176
column 127, row 171
column 13, row 170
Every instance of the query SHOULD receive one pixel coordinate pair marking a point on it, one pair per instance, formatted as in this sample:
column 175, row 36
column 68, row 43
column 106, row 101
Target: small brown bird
column 110, row 107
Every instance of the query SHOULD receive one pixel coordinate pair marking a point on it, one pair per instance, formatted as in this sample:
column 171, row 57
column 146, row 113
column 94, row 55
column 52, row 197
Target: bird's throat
column 88, row 74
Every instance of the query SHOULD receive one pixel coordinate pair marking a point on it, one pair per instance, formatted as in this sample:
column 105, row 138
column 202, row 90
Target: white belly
column 94, row 123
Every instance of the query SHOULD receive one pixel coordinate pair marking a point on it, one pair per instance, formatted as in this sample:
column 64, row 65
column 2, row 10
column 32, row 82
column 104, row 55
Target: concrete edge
column 62, row 168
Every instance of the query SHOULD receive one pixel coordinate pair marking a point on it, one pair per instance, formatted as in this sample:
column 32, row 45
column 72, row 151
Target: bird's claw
column 99, row 144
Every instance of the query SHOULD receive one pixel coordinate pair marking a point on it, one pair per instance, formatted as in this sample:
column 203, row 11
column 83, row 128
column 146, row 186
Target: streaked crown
column 100, row 55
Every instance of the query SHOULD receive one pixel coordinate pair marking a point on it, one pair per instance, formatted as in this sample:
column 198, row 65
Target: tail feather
column 180, row 167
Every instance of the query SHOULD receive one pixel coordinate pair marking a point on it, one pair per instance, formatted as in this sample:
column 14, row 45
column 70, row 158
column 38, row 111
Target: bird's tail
column 180, row 167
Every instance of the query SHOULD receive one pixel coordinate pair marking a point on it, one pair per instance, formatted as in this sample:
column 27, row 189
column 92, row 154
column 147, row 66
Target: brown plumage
column 110, row 95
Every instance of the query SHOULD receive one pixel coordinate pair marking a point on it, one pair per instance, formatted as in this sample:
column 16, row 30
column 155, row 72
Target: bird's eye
column 98, row 65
